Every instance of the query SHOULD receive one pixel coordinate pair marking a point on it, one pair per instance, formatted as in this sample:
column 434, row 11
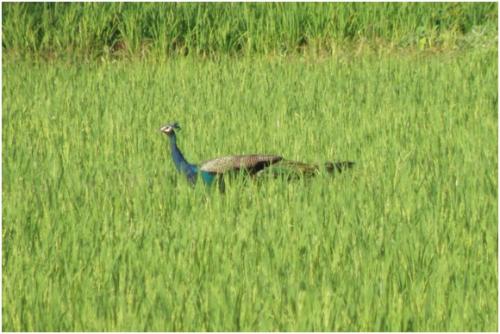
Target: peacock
column 253, row 164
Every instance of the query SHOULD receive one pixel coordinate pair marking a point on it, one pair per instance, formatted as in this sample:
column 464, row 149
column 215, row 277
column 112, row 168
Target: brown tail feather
column 298, row 168
column 338, row 166
column 331, row 167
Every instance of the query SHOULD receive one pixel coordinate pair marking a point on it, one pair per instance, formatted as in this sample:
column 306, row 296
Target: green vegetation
column 101, row 234
column 96, row 30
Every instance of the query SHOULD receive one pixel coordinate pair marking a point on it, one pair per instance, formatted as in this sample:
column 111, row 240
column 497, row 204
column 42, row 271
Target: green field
column 100, row 233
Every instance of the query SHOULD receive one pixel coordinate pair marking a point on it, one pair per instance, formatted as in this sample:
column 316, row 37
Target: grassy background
column 89, row 30
column 100, row 233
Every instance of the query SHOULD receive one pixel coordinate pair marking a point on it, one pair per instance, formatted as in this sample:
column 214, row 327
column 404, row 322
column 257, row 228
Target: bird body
column 249, row 162
column 252, row 164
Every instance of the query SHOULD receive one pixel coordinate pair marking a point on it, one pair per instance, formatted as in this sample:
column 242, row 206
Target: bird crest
column 169, row 128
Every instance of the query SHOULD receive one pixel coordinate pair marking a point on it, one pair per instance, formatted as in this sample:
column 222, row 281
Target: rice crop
column 100, row 233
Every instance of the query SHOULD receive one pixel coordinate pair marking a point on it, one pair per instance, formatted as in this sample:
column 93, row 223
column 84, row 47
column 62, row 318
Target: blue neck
column 180, row 162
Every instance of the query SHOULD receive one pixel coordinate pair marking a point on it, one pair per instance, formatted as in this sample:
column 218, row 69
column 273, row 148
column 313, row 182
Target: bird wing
column 249, row 162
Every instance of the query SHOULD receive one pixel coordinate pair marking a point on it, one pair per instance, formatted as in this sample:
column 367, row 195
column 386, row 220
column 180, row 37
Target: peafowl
column 253, row 164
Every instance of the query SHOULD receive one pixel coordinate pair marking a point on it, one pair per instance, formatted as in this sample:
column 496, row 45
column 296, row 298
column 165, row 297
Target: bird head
column 169, row 128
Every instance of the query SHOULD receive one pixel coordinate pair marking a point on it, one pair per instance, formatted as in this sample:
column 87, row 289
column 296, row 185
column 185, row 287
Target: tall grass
column 103, row 29
column 100, row 233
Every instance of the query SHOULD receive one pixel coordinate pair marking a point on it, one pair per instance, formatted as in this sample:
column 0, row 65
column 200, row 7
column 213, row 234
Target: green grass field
column 101, row 234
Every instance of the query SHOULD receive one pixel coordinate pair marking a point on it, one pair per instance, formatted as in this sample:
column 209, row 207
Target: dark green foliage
column 103, row 29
